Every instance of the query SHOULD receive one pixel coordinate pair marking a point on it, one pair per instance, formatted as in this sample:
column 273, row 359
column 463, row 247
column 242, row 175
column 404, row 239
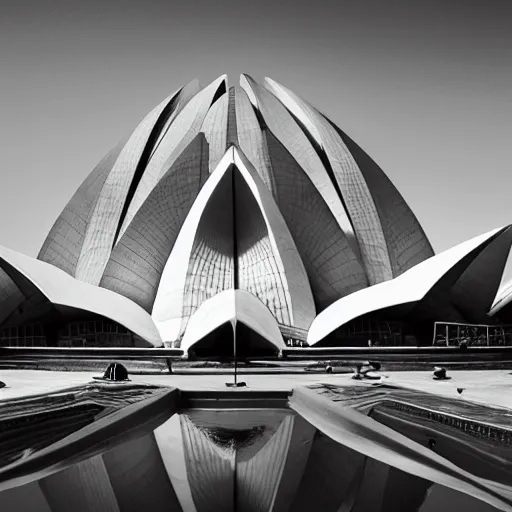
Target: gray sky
column 424, row 87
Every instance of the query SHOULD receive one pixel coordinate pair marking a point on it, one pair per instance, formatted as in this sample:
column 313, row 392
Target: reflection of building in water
column 325, row 447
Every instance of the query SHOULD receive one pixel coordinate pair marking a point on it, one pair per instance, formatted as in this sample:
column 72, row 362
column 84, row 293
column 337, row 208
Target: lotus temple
column 239, row 229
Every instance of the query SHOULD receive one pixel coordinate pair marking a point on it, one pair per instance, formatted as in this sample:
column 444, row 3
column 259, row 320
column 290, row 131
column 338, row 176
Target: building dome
column 246, row 187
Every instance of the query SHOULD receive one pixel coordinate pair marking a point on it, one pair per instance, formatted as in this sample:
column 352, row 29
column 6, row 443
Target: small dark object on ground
column 460, row 390
column 367, row 371
column 440, row 374
column 115, row 372
column 236, row 384
column 2, row 384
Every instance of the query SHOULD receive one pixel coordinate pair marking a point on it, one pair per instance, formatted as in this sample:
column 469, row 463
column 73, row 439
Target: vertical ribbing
column 232, row 137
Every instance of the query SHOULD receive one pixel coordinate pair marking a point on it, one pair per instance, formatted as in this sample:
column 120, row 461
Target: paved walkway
column 490, row 387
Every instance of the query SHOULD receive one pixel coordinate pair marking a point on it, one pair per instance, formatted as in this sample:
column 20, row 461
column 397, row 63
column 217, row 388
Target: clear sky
column 424, row 86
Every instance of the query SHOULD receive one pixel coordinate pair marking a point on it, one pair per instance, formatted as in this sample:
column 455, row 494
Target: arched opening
column 219, row 344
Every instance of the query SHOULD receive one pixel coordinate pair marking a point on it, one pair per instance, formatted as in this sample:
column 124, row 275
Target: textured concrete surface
column 47, row 286
column 107, row 215
column 490, row 387
column 187, row 463
column 357, row 197
column 307, row 229
column 139, row 257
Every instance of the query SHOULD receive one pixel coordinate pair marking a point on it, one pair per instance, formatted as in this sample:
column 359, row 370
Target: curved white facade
column 63, row 290
column 137, row 261
column 245, row 214
column 409, row 288
column 244, row 187
column 232, row 306
column 271, row 269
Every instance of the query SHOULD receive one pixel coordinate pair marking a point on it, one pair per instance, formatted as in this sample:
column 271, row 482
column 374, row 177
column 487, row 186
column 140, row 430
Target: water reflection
column 258, row 460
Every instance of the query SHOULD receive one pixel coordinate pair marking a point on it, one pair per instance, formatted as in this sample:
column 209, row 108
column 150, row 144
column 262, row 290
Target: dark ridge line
column 325, row 162
column 270, row 139
column 182, row 159
column 353, row 145
column 30, row 292
column 320, row 153
column 221, row 90
column 453, row 276
column 260, row 213
column 147, row 153
column 501, row 255
column 232, row 127
column 236, row 277
column 99, row 177
column 263, row 125
column 268, row 133
column 265, row 131
column 144, row 159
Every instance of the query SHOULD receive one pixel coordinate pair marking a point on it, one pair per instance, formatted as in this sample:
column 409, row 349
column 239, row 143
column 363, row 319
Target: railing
column 25, row 341
column 452, row 334
column 114, row 340
column 90, row 353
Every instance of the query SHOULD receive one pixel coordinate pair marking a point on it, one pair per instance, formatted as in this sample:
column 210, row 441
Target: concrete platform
column 490, row 387
column 313, row 436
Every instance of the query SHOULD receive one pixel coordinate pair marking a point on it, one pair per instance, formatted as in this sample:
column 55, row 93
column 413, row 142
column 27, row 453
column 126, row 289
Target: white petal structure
column 247, row 187
column 503, row 295
column 10, row 296
column 138, row 259
column 349, row 179
column 251, row 138
column 446, row 270
column 230, row 219
column 170, row 304
column 106, row 217
column 64, row 291
column 269, row 265
column 503, row 298
column 333, row 267
column 182, row 131
column 232, row 307
column 281, row 123
column 215, row 129
column 63, row 245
